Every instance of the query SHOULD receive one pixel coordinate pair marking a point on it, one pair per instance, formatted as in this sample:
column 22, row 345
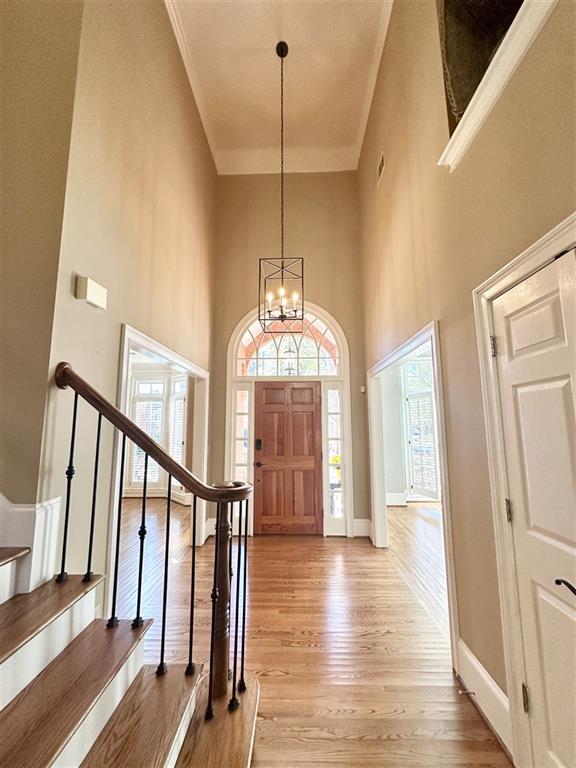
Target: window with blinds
column 149, row 416
column 159, row 408
column 420, row 422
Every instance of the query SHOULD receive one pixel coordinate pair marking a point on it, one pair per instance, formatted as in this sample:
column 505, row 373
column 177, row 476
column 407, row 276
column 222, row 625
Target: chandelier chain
column 282, row 158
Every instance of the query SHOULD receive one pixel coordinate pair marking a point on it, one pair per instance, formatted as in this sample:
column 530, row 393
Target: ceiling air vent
column 380, row 167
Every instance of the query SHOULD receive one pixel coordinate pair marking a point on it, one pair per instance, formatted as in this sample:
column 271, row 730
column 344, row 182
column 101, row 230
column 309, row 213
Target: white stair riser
column 90, row 728
column 181, row 732
column 27, row 662
column 8, row 577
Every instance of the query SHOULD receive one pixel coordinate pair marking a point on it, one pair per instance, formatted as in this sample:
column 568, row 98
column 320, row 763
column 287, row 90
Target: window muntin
column 314, row 352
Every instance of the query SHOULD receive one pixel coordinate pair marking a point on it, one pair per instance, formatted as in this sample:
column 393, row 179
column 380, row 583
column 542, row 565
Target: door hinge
column 493, row 346
column 508, row 510
column 525, row 698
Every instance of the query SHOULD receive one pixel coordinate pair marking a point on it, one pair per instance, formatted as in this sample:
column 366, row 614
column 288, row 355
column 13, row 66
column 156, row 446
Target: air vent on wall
column 380, row 167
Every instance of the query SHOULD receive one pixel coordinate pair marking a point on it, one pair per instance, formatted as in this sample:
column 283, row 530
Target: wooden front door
column 288, row 458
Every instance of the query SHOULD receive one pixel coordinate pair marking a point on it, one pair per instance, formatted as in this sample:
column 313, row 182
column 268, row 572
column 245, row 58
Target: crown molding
column 307, row 159
column 523, row 31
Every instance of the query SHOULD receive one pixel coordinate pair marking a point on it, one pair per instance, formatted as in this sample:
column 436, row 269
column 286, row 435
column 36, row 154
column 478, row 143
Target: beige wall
column 139, row 218
column 322, row 226
column 429, row 237
column 40, row 44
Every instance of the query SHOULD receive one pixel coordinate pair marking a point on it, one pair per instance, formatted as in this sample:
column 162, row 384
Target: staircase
column 74, row 690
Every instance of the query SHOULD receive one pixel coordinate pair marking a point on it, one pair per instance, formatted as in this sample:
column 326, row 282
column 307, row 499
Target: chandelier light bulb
column 281, row 291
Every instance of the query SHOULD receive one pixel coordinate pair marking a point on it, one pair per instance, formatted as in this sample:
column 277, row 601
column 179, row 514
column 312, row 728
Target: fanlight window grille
column 314, row 352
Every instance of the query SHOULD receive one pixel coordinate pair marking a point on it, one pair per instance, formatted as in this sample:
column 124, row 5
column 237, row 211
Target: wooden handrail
column 66, row 376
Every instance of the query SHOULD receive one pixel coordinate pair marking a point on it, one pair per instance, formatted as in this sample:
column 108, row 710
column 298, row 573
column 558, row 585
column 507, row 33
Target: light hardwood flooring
column 417, row 545
column 354, row 670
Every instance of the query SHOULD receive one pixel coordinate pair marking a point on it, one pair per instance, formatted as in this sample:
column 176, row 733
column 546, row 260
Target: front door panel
column 288, row 464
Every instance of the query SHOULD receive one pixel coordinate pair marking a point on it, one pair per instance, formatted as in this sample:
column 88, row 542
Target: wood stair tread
column 226, row 740
column 26, row 614
column 142, row 729
column 8, row 554
column 39, row 722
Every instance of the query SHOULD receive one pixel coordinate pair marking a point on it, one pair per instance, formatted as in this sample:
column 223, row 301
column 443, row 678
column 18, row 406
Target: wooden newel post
column 222, row 622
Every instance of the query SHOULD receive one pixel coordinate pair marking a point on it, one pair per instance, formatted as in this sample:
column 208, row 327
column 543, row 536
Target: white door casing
column 535, row 332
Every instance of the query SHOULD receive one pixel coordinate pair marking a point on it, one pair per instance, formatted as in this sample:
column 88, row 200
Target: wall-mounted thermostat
column 91, row 292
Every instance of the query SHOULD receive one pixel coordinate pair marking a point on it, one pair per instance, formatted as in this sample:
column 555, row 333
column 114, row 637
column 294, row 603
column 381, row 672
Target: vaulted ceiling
column 228, row 48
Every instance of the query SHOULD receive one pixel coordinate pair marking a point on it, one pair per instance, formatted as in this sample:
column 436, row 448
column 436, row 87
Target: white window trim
column 234, row 382
column 523, row 31
column 534, row 258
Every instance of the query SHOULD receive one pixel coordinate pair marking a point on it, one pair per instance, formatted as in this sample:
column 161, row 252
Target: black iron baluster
column 161, row 670
column 230, row 571
column 214, row 597
column 191, row 668
column 88, row 574
column 234, row 703
column 242, row 682
column 113, row 620
column 138, row 621
column 62, row 576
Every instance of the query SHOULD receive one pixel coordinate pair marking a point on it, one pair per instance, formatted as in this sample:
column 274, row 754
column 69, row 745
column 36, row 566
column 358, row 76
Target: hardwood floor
column 417, row 543
column 353, row 670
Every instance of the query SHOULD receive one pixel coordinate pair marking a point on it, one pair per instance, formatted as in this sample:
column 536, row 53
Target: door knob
column 571, row 587
column 258, row 464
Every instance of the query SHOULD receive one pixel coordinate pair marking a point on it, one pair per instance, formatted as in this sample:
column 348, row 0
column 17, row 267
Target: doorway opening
column 167, row 396
column 410, row 501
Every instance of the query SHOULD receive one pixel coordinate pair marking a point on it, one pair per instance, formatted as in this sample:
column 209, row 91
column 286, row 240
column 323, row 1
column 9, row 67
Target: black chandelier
column 281, row 282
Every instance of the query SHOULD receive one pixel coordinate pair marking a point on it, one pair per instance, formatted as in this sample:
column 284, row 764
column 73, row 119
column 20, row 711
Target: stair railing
column 224, row 495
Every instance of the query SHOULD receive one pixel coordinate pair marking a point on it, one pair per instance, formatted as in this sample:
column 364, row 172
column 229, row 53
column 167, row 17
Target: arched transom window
column 314, row 352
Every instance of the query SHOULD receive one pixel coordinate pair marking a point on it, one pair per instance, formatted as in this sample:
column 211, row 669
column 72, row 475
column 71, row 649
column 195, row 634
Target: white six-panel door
column 535, row 330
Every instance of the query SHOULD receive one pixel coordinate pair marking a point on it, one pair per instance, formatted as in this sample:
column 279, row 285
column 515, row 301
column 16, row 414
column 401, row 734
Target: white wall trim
column 561, row 238
column 35, row 526
column 523, row 31
column 488, row 696
column 233, row 381
column 362, row 527
column 378, row 481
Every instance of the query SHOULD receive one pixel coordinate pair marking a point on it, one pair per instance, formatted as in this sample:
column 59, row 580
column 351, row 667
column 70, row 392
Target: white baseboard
column 35, row 526
column 181, row 497
column 489, row 697
column 209, row 529
column 362, row 527
column 396, row 499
